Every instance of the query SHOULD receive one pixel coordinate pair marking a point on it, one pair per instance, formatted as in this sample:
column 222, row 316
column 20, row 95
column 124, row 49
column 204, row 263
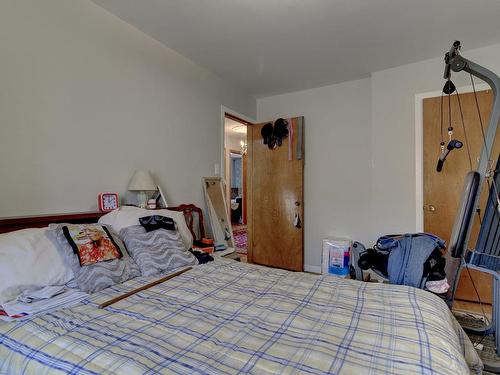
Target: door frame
column 228, row 112
column 419, row 147
column 248, row 121
column 243, row 182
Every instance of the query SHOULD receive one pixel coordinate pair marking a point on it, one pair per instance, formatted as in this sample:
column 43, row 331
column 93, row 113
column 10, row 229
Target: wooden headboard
column 15, row 223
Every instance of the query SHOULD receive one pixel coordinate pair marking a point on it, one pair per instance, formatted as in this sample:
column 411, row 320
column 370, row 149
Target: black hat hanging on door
column 273, row 135
column 280, row 130
column 267, row 132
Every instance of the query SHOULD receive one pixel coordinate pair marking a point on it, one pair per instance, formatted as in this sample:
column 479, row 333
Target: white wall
column 85, row 99
column 337, row 159
column 360, row 174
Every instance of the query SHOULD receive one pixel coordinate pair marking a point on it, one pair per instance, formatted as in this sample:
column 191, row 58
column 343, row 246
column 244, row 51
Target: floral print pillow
column 91, row 243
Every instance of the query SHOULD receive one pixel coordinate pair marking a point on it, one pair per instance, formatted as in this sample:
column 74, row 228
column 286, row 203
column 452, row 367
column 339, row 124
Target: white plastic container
column 336, row 256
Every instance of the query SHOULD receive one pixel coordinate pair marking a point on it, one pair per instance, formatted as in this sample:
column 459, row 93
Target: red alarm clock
column 108, row 202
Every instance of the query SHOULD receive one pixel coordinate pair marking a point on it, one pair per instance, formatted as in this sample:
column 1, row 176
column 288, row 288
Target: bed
column 228, row 317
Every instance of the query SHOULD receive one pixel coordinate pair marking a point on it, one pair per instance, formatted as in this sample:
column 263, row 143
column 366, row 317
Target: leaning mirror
column 214, row 188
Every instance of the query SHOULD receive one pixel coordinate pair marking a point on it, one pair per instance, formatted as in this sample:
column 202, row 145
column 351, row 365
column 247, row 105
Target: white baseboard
column 313, row 269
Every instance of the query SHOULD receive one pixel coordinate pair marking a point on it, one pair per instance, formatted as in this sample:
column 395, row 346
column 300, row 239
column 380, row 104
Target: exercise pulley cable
column 465, row 135
column 448, row 89
column 463, row 127
column 441, row 122
column 450, row 128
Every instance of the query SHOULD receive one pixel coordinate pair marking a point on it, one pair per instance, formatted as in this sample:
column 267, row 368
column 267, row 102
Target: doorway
column 268, row 227
column 235, row 161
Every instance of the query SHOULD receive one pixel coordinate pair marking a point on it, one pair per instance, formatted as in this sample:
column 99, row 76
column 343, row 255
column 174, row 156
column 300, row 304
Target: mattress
column 227, row 317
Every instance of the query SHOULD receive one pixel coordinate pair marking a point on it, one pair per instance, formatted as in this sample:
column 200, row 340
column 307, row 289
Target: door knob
column 430, row 207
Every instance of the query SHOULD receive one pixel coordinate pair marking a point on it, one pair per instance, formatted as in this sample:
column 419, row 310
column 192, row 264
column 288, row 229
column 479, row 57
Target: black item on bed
column 155, row 222
column 201, row 256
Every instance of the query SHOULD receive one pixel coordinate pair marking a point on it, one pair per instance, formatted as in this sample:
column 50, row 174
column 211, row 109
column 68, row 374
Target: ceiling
column 268, row 47
column 229, row 124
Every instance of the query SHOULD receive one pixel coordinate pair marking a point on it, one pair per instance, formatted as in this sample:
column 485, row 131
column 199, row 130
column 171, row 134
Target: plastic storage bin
column 336, row 256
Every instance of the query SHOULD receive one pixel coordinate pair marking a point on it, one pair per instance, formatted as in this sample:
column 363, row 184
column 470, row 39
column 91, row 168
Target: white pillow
column 28, row 261
column 127, row 216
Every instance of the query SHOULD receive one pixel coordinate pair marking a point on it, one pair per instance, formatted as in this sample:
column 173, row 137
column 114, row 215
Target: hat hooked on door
column 273, row 134
column 280, row 130
column 267, row 133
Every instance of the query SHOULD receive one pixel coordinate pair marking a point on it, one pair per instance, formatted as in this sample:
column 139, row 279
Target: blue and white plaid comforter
column 226, row 318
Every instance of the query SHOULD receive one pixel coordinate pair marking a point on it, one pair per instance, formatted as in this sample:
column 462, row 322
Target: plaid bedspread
column 227, row 317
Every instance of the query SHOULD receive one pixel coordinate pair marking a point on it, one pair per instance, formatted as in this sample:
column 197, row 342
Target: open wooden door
column 442, row 191
column 275, row 182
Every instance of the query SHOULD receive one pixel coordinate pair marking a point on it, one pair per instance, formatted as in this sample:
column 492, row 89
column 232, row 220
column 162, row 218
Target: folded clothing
column 437, row 286
column 17, row 310
column 29, row 296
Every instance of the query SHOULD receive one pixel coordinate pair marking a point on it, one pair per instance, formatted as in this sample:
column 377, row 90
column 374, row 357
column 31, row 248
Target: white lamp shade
column 142, row 181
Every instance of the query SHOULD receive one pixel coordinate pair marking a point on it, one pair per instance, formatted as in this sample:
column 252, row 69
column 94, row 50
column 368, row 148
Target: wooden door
column 275, row 196
column 442, row 191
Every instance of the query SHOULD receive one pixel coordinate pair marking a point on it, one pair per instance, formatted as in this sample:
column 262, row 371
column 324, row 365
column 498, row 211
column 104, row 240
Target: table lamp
column 141, row 182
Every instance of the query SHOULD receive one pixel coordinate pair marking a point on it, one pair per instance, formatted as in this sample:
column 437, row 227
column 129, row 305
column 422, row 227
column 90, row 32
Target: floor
column 471, row 314
column 240, row 238
column 485, row 344
column 472, row 307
